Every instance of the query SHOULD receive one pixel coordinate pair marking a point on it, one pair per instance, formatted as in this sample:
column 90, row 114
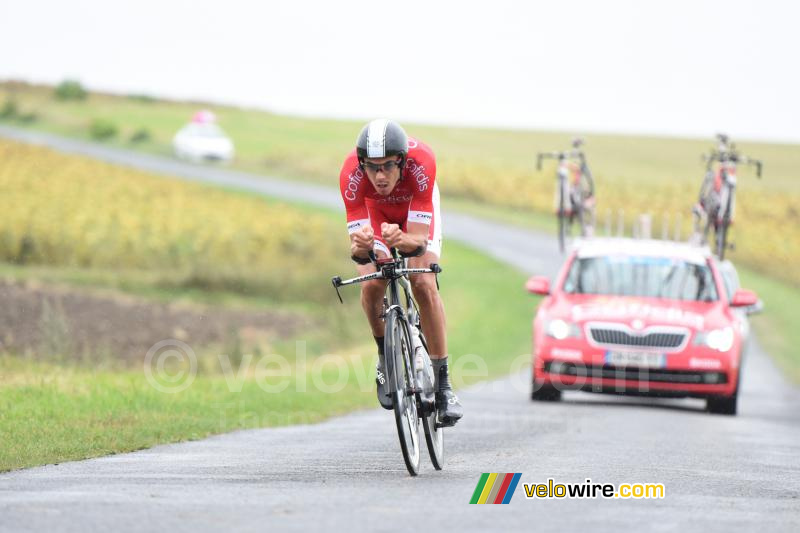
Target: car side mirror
column 756, row 308
column 538, row 285
column 744, row 298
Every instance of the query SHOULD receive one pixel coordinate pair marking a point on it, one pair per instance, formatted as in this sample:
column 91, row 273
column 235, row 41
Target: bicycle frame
column 406, row 314
column 396, row 273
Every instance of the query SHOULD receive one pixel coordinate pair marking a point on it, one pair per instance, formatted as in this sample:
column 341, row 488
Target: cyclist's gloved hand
column 392, row 234
column 363, row 240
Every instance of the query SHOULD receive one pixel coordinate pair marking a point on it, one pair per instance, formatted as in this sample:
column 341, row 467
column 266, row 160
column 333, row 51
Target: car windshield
column 650, row 277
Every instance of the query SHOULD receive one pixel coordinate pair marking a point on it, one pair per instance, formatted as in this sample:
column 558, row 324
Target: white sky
column 675, row 68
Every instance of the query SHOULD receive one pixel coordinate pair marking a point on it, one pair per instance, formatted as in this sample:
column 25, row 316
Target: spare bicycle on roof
column 574, row 196
column 717, row 198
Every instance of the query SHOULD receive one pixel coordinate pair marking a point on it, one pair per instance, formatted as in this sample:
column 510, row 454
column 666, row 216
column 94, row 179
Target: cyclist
column 388, row 185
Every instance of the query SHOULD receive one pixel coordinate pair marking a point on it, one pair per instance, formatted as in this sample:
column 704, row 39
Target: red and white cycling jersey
column 415, row 198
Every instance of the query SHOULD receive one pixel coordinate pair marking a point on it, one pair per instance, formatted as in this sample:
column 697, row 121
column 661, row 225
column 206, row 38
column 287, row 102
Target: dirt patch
column 49, row 321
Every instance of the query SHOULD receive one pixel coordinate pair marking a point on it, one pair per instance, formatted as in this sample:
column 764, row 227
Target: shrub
column 70, row 90
column 140, row 135
column 102, row 129
column 9, row 110
column 28, row 117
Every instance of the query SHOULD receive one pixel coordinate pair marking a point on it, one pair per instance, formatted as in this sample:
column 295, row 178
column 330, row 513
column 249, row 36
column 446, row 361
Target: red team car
column 641, row 317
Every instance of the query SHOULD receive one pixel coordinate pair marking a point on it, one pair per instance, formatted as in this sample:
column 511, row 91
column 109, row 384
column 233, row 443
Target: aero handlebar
column 389, row 269
column 734, row 157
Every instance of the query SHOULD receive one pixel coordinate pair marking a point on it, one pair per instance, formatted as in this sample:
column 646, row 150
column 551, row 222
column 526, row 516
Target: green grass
column 489, row 312
column 51, row 413
column 68, row 414
column 776, row 326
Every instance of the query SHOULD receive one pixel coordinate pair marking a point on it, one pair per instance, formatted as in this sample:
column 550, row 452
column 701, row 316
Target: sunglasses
column 388, row 166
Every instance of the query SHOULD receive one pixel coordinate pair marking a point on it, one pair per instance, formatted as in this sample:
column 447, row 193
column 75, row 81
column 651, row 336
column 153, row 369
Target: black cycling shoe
column 448, row 408
column 380, row 380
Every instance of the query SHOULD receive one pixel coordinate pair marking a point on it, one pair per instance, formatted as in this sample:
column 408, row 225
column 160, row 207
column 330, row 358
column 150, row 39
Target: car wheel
column 722, row 406
column 725, row 405
column 545, row 393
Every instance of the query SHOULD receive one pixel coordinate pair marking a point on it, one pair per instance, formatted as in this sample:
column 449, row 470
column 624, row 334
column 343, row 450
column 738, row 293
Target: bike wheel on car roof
column 398, row 349
column 562, row 222
column 722, row 230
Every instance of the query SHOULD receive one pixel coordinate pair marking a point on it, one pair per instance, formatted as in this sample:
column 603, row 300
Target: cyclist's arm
column 352, row 184
column 361, row 242
column 411, row 242
column 421, row 208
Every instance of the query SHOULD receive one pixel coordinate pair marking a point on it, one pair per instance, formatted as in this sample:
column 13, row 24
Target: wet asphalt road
column 721, row 473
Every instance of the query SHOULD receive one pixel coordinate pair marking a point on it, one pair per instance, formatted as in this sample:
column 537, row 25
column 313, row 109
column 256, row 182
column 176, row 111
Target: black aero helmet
column 382, row 138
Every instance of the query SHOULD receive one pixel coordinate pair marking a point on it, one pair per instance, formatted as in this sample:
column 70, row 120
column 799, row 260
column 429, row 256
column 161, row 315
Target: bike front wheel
column 398, row 349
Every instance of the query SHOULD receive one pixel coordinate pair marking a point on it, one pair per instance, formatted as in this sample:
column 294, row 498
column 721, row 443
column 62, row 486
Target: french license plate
column 639, row 359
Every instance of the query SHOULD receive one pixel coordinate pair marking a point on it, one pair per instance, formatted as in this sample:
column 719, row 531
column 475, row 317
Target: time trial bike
column 717, row 198
column 409, row 372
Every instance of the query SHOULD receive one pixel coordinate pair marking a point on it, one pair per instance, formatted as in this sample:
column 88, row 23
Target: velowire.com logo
column 499, row 488
column 495, row 488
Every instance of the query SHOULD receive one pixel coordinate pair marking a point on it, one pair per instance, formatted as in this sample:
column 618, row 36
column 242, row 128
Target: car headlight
column 716, row 339
column 560, row 329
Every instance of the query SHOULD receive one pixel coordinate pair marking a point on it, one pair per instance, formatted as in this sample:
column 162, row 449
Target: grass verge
column 776, row 326
column 53, row 413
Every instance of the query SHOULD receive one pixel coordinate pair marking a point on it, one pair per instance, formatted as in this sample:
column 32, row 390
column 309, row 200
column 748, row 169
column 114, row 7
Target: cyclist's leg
column 372, row 299
column 424, row 288
column 432, row 317
column 372, row 292
column 431, row 307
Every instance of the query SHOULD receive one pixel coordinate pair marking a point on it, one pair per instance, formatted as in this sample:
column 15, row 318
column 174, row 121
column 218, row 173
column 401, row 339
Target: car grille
column 636, row 374
column 665, row 340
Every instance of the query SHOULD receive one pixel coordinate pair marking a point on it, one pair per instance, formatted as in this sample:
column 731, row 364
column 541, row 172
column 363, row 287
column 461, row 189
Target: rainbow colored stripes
column 495, row 488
